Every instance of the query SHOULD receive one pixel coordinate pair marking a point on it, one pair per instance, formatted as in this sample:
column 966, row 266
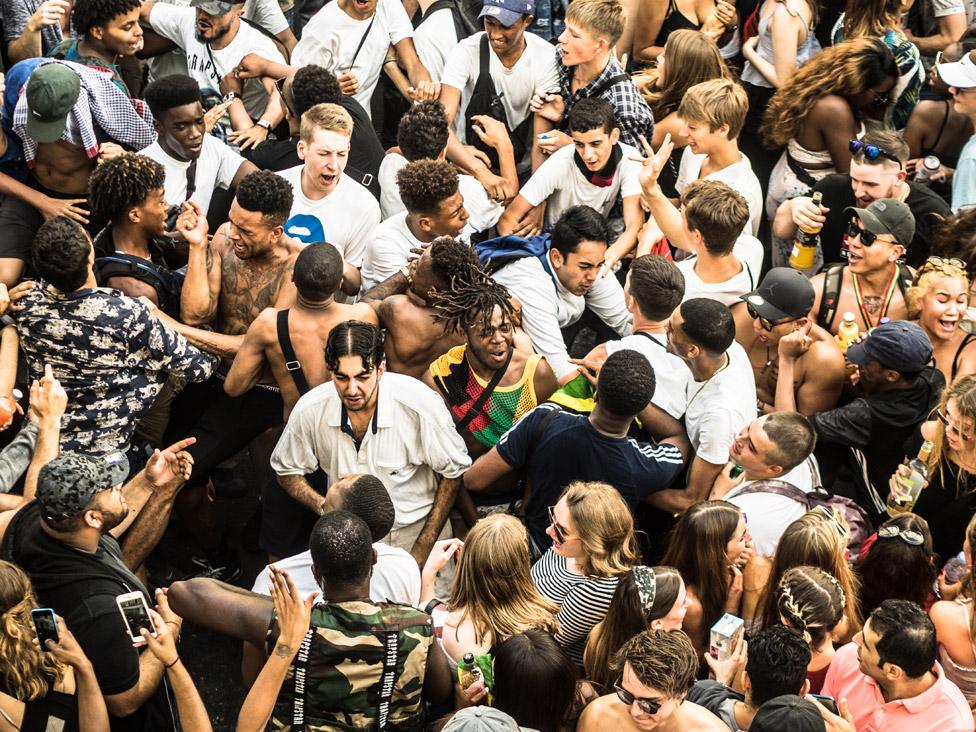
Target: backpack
column 830, row 295
column 855, row 516
column 463, row 27
column 167, row 284
column 502, row 250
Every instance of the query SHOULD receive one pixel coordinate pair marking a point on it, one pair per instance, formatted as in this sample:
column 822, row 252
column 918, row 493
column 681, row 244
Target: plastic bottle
column 906, row 488
column 468, row 671
column 8, row 407
column 927, row 168
column 956, row 569
column 848, row 331
column 806, row 243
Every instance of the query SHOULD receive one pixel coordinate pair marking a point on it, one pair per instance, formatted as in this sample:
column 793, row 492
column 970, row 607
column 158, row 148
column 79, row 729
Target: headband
column 646, row 586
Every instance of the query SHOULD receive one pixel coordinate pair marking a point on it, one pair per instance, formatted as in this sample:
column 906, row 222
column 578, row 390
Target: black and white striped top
column 583, row 600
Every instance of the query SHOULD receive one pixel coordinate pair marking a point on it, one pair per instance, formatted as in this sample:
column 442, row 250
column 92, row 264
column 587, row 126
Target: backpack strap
column 300, row 672
column 830, row 294
column 905, row 278
column 534, row 439
column 777, row 488
column 391, row 649
column 292, row 363
column 612, row 81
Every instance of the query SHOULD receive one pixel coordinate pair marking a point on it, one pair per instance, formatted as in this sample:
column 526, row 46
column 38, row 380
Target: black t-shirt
column 365, row 151
column 838, row 194
column 569, row 449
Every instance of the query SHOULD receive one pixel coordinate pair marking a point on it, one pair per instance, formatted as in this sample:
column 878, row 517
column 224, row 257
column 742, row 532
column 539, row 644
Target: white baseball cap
column 961, row 74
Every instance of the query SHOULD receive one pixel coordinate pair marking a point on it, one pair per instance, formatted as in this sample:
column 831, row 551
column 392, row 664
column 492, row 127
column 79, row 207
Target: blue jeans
column 549, row 20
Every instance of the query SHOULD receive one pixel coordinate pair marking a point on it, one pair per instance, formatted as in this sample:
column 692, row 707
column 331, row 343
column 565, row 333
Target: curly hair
column 27, row 672
column 267, row 193
column 473, row 305
column 167, row 92
column 454, row 264
column 60, row 253
column 847, row 69
column 313, row 85
column 368, row 498
column 88, row 14
column 123, row 182
column 955, row 236
column 663, row 660
column 423, row 131
column 625, row 384
column 425, row 183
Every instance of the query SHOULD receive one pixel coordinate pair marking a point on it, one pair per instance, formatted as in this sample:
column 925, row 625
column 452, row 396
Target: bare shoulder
column 363, row 312
column 263, row 325
column 602, row 714
column 695, row 718
column 220, row 243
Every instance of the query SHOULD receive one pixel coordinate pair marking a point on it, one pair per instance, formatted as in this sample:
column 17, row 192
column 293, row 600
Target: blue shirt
column 964, row 179
column 569, row 449
column 12, row 161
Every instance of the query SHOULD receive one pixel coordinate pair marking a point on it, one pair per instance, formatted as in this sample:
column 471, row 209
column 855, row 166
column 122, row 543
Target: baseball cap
column 788, row 713
column 507, row 12
column 961, row 73
column 214, row 7
column 898, row 345
column 783, row 293
column 887, row 216
column 481, row 719
column 68, row 483
column 52, row 92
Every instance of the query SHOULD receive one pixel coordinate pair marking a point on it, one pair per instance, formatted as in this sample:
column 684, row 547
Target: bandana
column 603, row 178
column 646, row 586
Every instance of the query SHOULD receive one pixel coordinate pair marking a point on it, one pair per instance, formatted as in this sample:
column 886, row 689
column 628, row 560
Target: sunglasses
column 827, row 513
column 766, row 323
column 941, row 263
column 280, row 86
column 648, row 706
column 910, row 537
column 559, row 531
column 950, row 425
column 868, row 238
column 871, row 152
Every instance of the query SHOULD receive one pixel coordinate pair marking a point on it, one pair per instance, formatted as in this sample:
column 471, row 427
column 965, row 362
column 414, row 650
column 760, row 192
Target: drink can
column 927, row 168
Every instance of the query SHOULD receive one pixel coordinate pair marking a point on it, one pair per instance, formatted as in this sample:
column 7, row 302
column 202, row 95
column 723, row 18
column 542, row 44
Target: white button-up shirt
column 410, row 440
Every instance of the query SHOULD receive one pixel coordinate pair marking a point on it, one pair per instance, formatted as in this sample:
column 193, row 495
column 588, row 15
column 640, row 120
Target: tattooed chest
column 244, row 293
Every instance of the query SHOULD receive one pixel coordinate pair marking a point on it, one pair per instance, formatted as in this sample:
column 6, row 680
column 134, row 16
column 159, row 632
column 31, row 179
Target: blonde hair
column 493, row 586
column 963, row 391
column 605, row 527
column 27, row 672
column 927, row 274
column 602, row 18
column 325, row 116
column 716, row 102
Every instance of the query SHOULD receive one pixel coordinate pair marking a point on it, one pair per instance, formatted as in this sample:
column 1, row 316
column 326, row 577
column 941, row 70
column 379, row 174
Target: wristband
column 170, row 665
column 263, row 123
column 429, row 607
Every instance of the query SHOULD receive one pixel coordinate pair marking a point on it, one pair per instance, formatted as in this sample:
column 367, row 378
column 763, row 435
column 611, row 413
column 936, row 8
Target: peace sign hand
column 653, row 163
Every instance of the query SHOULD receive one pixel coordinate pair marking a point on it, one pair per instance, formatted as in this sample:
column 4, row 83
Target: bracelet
column 429, row 607
column 170, row 665
column 389, row 61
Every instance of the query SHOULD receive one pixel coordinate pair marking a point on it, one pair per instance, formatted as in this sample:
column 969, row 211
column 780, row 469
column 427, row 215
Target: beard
column 218, row 33
column 111, row 520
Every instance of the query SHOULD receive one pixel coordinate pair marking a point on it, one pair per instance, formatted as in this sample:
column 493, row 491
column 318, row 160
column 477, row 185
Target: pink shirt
column 940, row 708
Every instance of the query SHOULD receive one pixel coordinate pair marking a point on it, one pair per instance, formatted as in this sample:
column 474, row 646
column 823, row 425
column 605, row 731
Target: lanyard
column 886, row 300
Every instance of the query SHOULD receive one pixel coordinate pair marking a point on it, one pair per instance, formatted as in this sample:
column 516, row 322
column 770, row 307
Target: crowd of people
column 489, row 365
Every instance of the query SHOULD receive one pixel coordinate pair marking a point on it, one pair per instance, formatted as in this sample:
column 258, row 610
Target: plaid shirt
column 633, row 115
column 125, row 121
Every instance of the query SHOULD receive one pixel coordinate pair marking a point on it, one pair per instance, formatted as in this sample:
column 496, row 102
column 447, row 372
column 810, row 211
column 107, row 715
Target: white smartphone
column 135, row 614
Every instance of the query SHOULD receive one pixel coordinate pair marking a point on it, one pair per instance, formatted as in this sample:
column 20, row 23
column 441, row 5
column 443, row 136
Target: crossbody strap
column 475, row 409
column 191, row 178
column 616, row 79
column 363, row 40
column 300, row 665
column 292, row 363
column 391, row 647
column 651, row 338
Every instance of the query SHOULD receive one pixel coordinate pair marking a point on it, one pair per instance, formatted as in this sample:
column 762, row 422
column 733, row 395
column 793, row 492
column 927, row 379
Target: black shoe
column 224, row 566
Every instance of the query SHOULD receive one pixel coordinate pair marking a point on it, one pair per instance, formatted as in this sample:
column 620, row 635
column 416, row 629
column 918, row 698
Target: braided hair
column 473, row 304
column 812, row 601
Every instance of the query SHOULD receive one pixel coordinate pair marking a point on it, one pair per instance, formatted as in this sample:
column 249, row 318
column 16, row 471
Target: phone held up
column 45, row 625
column 135, row 614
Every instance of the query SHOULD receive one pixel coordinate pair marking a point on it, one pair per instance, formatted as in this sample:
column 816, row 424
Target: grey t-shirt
column 15, row 15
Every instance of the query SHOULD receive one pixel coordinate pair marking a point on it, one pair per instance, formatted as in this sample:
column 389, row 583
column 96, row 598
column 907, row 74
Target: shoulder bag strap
column 475, row 409
column 363, row 40
column 776, row 487
column 616, row 79
column 191, row 178
column 292, row 363
column 652, row 339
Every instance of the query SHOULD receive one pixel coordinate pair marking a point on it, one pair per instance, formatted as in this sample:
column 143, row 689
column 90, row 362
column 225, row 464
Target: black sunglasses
column 648, row 706
column 280, row 86
column 867, row 237
column 947, row 424
column 766, row 323
column 871, row 152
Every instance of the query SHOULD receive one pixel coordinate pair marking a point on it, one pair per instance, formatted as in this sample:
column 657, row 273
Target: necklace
column 885, row 299
column 717, row 372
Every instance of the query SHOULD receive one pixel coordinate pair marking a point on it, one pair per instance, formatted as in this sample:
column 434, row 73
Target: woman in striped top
column 593, row 544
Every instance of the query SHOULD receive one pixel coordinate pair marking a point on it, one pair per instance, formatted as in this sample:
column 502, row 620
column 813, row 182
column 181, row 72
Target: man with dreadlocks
column 414, row 335
column 488, row 383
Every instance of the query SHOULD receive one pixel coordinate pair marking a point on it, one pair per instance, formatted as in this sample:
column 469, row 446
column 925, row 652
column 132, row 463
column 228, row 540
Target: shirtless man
column 659, row 670
column 414, row 335
column 317, row 274
column 872, row 282
column 46, row 118
column 779, row 309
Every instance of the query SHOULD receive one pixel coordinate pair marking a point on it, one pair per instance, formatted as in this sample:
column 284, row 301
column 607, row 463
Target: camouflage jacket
column 112, row 357
column 349, row 650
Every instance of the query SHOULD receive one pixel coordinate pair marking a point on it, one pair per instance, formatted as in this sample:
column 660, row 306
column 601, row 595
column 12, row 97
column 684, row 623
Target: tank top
column 810, row 47
column 674, row 20
column 55, row 710
column 961, row 676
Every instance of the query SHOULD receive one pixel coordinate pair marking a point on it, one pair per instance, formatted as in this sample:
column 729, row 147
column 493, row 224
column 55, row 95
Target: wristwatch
column 405, row 271
column 264, row 123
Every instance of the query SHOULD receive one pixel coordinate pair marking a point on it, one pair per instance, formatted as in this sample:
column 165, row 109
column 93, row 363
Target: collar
column 546, row 260
column 336, row 415
column 347, row 428
column 927, row 698
column 603, row 178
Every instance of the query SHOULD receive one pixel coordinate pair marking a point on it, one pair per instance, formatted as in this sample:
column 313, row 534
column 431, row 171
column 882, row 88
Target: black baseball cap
column 898, row 345
column 887, row 216
column 784, row 293
column 788, row 713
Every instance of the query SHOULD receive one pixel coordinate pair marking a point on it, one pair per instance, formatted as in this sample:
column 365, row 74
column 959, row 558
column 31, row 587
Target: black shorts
column 285, row 523
column 19, row 222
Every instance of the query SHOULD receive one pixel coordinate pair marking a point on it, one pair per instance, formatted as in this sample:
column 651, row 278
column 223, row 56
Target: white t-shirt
column 389, row 249
column 534, row 71
column 483, row 211
column 671, row 374
column 719, row 407
column 748, row 250
column 267, row 14
column 770, row 514
column 434, row 40
column 561, row 183
column 738, row 176
column 395, row 577
column 208, row 65
column 345, row 218
column 330, row 39
column 216, row 168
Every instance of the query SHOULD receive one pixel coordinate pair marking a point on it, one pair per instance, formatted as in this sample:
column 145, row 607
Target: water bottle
column 927, row 168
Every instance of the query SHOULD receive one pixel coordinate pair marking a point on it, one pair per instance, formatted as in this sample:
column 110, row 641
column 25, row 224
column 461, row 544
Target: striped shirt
column 583, row 600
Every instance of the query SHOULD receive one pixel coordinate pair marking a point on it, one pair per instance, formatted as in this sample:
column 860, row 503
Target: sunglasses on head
column 871, row 152
column 909, row 536
column 941, row 263
column 950, row 425
column 868, row 238
column 827, row 513
column 648, row 706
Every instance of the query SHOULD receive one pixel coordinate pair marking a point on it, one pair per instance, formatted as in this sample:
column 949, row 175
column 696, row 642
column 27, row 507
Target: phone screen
column 136, row 616
column 827, row 701
column 46, row 625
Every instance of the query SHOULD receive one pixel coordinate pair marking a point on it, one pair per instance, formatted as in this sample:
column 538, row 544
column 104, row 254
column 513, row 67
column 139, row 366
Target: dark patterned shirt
column 634, row 117
column 110, row 354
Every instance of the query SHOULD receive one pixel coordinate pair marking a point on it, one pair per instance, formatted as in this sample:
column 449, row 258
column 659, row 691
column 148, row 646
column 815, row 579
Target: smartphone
column 827, row 701
column 135, row 613
column 45, row 625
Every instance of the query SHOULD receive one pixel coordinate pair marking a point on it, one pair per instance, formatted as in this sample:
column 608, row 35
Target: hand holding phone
column 45, row 625
column 135, row 615
column 827, row 702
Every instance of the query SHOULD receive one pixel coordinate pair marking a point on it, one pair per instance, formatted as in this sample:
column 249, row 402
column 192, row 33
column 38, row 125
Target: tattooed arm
column 201, row 287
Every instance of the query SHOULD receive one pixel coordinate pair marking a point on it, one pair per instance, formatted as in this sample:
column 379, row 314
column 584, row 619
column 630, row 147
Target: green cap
column 52, row 92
